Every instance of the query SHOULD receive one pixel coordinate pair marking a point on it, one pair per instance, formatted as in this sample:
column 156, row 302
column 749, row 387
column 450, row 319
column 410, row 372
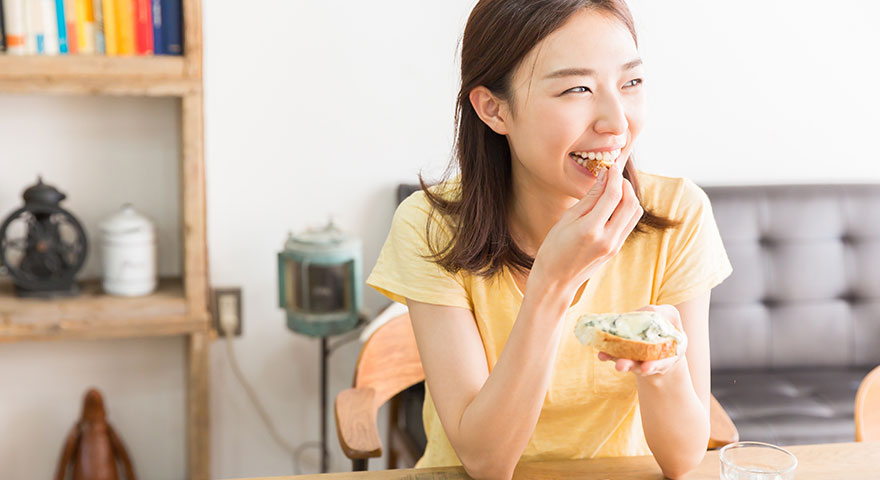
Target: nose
column 611, row 116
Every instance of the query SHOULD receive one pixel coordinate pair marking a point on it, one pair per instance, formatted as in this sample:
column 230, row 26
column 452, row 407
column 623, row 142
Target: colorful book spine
column 50, row 27
column 111, row 28
column 61, row 27
column 33, row 27
column 158, row 43
column 143, row 27
column 72, row 33
column 125, row 27
column 2, row 30
column 13, row 17
column 85, row 27
column 98, row 14
column 172, row 27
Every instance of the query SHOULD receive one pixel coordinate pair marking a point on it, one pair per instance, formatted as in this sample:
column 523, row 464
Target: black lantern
column 42, row 246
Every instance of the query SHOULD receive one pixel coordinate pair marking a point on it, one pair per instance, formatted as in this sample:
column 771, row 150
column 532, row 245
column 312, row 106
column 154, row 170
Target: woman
column 497, row 263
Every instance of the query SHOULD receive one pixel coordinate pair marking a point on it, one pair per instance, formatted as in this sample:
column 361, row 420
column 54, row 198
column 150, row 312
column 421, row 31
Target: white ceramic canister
column 128, row 253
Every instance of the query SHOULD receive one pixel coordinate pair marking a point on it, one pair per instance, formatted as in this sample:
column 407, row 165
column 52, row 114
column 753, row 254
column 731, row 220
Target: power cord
column 295, row 452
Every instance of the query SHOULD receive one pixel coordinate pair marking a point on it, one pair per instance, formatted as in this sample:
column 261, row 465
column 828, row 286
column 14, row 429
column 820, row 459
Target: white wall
column 323, row 112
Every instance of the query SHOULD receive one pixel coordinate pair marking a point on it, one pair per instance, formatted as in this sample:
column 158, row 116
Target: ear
column 491, row 110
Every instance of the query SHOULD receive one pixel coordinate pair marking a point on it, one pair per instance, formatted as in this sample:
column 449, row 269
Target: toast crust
column 631, row 349
column 594, row 166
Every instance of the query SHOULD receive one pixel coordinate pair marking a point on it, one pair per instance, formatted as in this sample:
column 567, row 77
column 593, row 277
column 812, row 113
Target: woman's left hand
column 650, row 367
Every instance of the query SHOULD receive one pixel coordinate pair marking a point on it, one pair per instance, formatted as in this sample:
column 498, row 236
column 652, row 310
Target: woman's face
column 578, row 92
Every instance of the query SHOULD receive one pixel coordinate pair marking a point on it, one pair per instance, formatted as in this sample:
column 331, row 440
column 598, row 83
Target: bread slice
column 639, row 336
column 595, row 165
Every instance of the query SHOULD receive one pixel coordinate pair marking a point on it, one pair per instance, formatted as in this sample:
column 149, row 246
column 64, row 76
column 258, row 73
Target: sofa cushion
column 805, row 288
column 790, row 407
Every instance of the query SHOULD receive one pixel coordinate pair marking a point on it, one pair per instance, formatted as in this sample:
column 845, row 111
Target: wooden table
column 844, row 461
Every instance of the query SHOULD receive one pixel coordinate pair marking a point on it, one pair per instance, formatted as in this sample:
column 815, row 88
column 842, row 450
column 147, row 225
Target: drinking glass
column 756, row 461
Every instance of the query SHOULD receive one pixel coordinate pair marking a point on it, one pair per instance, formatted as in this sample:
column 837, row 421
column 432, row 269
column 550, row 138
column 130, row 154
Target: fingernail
column 603, row 175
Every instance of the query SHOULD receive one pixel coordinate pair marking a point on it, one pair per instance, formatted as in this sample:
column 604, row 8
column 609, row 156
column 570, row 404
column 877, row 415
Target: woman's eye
column 633, row 83
column 577, row 90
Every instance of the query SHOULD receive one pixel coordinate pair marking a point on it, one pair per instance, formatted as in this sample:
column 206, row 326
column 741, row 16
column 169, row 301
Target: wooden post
column 198, row 414
column 195, row 268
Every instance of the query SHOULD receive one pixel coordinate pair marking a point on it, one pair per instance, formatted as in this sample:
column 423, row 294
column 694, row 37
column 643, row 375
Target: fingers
column 624, row 365
column 647, row 368
column 625, row 217
column 610, row 198
column 587, row 203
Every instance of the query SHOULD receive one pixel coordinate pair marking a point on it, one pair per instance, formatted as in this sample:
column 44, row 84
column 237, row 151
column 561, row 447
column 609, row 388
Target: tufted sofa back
column 805, row 288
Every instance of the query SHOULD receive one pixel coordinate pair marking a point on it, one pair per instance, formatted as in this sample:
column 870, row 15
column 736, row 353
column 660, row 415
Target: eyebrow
column 588, row 72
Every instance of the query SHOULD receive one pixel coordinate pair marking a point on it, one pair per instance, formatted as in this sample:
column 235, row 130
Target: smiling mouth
column 595, row 161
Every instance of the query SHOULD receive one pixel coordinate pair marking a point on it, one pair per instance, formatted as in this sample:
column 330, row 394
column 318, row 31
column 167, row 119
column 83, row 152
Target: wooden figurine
column 92, row 446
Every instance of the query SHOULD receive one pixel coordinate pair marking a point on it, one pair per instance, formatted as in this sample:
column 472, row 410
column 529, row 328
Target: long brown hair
column 498, row 35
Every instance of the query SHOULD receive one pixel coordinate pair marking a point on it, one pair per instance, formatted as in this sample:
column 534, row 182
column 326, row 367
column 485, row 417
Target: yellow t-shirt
column 590, row 409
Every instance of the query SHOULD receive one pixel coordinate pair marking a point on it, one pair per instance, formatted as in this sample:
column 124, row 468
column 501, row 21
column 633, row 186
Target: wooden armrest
column 722, row 431
column 356, row 423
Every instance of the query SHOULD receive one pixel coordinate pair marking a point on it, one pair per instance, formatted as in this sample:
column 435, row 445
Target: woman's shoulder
column 671, row 197
column 417, row 206
column 420, row 216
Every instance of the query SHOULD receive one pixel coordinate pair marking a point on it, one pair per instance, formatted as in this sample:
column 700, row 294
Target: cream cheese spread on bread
column 648, row 327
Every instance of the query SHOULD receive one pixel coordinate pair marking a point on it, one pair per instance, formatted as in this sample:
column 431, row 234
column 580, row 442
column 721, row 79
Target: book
column 143, row 25
column 172, row 32
column 111, row 28
column 50, row 27
column 61, row 27
column 125, row 27
column 13, row 20
column 33, row 27
column 2, row 31
column 158, row 43
column 98, row 14
column 70, row 19
column 85, row 27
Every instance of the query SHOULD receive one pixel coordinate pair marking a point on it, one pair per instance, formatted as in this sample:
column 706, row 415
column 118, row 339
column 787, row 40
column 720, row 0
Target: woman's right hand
column 589, row 233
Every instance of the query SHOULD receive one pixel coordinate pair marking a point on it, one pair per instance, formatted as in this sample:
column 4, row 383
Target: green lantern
column 319, row 281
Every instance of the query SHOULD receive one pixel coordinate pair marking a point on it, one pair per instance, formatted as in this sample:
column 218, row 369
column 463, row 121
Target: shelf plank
column 95, row 315
column 98, row 75
column 31, row 67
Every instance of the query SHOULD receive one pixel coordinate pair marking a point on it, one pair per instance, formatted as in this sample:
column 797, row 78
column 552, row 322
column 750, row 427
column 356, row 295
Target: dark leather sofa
column 796, row 327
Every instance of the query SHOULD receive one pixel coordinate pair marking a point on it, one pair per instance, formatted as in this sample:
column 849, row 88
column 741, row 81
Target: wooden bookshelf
column 180, row 305
column 97, row 75
column 94, row 315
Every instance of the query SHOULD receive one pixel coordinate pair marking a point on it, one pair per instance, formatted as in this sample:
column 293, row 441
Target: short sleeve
column 696, row 260
column 402, row 270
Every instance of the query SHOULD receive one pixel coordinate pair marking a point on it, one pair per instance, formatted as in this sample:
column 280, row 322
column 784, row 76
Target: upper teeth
column 603, row 156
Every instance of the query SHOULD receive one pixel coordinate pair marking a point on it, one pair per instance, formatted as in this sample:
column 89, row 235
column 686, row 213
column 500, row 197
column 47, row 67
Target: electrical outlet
column 226, row 310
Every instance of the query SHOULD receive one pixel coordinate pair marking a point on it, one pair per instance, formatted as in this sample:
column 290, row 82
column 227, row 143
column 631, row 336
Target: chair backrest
column 389, row 361
column 868, row 408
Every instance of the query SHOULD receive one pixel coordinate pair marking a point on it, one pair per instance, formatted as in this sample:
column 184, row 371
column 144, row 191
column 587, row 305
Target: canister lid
column 327, row 238
column 127, row 223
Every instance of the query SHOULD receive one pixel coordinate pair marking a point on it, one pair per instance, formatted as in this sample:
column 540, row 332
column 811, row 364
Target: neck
column 534, row 209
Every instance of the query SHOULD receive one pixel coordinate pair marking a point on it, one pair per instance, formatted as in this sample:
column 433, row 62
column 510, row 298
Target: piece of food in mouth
column 596, row 161
column 594, row 166
column 639, row 336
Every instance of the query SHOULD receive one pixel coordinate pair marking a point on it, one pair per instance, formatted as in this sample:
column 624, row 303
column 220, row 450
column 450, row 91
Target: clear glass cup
column 756, row 461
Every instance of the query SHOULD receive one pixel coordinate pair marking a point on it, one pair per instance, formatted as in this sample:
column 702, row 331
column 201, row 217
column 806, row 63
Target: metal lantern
column 42, row 246
column 319, row 283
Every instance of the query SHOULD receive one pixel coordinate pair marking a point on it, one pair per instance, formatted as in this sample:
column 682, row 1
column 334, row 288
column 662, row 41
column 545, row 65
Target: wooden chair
column 389, row 363
column 868, row 408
